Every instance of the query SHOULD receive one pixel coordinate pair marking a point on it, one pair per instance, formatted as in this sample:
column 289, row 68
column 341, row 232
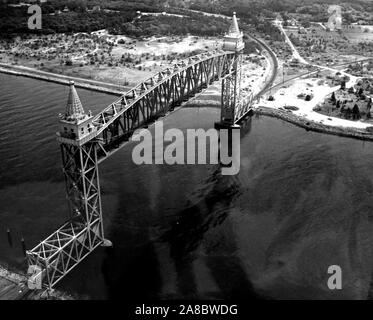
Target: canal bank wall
column 60, row 79
column 309, row 125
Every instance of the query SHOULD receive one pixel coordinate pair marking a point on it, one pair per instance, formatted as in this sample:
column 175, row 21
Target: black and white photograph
column 202, row 152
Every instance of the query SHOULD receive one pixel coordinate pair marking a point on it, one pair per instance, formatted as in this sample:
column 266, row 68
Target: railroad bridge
column 87, row 140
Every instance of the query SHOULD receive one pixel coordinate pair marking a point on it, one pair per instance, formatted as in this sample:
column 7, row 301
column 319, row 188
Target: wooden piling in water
column 23, row 247
column 9, row 238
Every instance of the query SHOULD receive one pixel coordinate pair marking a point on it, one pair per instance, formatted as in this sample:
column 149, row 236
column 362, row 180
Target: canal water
column 301, row 203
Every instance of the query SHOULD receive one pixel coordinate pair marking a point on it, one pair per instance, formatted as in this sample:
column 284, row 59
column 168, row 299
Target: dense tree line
column 66, row 22
column 119, row 20
column 171, row 25
column 78, row 19
column 250, row 10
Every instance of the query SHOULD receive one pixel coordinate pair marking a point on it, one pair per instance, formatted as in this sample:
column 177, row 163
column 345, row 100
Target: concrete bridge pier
column 229, row 149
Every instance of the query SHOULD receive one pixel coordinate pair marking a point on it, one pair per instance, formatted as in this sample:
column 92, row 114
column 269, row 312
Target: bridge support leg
column 58, row 254
column 231, row 94
column 80, row 166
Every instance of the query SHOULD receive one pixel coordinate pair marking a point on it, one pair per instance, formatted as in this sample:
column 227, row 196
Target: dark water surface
column 301, row 202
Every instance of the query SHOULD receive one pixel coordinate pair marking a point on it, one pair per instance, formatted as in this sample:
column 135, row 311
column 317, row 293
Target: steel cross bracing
column 233, row 106
column 55, row 256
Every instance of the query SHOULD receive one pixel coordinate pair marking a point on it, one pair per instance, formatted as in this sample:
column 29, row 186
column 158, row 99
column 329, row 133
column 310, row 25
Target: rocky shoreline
column 288, row 116
column 310, row 125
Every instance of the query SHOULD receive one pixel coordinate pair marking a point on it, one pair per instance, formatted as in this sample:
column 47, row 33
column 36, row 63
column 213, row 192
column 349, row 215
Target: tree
column 369, row 106
column 68, row 62
column 348, row 113
column 333, row 99
column 360, row 92
column 343, row 85
column 355, row 112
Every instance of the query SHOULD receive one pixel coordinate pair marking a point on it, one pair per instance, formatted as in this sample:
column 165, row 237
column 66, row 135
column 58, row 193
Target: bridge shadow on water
column 133, row 268
column 157, row 255
column 133, row 271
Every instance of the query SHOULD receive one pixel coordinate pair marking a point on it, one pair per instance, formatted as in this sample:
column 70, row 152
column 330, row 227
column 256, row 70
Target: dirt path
column 296, row 54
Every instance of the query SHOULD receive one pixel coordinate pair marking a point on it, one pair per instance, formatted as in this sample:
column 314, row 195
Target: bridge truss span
column 87, row 140
column 83, row 232
column 158, row 95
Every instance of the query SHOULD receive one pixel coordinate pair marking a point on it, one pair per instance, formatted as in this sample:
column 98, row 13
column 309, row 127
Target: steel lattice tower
column 231, row 84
